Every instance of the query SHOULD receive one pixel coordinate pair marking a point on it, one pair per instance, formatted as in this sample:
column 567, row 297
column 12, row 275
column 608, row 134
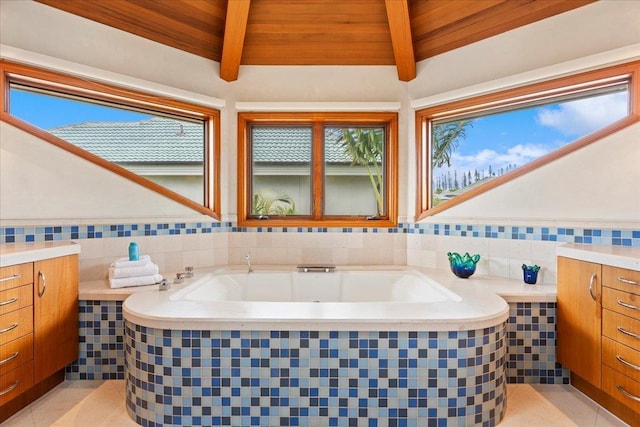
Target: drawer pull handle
column 10, row 328
column 627, row 281
column 626, row 393
column 631, row 334
column 6, row 279
column 629, row 364
column 626, row 305
column 592, row 282
column 10, row 388
column 10, row 358
column 7, row 302
column 44, row 283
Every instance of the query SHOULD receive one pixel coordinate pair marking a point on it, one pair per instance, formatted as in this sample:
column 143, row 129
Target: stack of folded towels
column 124, row 273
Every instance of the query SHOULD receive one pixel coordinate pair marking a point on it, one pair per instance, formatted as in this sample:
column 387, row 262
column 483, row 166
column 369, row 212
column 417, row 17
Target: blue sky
column 521, row 136
column 54, row 112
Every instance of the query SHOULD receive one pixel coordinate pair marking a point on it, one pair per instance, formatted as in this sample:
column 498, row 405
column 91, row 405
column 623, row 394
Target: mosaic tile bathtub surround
column 309, row 378
column 531, row 344
column 597, row 236
column 101, row 352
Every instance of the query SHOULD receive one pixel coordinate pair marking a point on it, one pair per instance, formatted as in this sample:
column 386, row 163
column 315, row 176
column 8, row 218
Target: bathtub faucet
column 247, row 258
column 186, row 274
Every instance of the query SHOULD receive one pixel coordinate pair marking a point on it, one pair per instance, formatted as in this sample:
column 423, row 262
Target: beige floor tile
column 23, row 418
column 102, row 404
column 607, row 419
column 99, row 407
column 528, row 407
column 55, row 404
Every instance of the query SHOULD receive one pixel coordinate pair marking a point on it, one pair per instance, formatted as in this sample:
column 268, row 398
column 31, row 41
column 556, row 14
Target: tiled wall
column 307, row 378
column 531, row 344
column 503, row 248
column 101, row 355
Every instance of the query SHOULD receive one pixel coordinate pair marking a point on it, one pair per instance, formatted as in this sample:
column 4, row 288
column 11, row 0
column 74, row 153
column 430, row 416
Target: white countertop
column 616, row 256
column 20, row 253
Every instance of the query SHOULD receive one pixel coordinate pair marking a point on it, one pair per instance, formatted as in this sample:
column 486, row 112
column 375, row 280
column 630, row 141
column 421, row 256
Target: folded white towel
column 144, row 270
column 124, row 262
column 135, row 281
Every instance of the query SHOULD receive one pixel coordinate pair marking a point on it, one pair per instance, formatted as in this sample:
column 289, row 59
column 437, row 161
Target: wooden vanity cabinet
column 599, row 333
column 38, row 328
column 16, row 331
column 621, row 335
column 55, row 315
column 579, row 318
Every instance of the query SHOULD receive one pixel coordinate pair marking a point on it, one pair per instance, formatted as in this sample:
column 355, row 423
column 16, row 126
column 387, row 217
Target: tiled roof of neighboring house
column 163, row 140
column 292, row 145
column 156, row 140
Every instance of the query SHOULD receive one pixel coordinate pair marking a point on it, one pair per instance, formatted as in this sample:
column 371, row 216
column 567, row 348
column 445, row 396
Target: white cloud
column 518, row 155
column 481, row 161
column 583, row 116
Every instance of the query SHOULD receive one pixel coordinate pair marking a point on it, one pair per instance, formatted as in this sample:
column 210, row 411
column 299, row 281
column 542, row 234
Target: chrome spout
column 247, row 258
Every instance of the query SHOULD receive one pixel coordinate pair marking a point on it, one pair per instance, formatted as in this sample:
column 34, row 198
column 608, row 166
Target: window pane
column 281, row 170
column 469, row 151
column 354, row 172
column 164, row 149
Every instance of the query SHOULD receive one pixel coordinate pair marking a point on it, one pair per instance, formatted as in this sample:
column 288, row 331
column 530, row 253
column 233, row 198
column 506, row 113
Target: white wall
column 64, row 189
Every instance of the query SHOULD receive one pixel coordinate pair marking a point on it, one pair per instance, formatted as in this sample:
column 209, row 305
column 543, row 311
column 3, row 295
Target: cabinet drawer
column 16, row 353
column 623, row 329
column 621, row 387
column 16, row 382
column 621, row 278
column 16, row 324
column 16, row 298
column 621, row 358
column 16, row 275
column 621, row 302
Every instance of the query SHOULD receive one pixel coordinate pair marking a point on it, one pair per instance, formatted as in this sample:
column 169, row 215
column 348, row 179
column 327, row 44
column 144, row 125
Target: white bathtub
column 340, row 286
column 351, row 298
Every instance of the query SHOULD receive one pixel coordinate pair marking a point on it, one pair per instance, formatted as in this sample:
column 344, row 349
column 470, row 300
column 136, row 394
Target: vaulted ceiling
column 316, row 32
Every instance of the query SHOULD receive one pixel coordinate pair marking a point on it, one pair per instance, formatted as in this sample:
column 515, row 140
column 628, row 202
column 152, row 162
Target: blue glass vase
column 530, row 273
column 463, row 266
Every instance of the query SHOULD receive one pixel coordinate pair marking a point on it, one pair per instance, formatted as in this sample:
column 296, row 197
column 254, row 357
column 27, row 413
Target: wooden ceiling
column 316, row 32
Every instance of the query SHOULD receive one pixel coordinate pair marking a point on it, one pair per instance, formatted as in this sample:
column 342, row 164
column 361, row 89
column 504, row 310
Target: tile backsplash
column 503, row 248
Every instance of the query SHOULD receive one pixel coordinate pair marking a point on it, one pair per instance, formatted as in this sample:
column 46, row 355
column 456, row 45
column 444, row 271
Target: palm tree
column 269, row 202
column 446, row 138
column 366, row 148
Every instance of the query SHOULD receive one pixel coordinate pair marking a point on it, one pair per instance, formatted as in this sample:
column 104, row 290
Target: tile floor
column 101, row 404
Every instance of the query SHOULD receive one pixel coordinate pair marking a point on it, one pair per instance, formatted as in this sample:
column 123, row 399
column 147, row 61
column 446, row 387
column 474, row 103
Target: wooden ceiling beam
column 400, row 26
column 234, row 31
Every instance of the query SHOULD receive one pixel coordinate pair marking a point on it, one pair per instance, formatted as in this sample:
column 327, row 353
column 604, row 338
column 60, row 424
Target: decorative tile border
column 303, row 378
column 531, row 344
column 600, row 236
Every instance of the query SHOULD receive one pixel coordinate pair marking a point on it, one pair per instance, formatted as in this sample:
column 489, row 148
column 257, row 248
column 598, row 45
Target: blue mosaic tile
column 314, row 378
column 101, row 346
column 531, row 345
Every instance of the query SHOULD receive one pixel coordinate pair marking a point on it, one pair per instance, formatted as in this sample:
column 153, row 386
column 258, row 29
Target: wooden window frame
column 318, row 120
column 627, row 72
column 58, row 82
